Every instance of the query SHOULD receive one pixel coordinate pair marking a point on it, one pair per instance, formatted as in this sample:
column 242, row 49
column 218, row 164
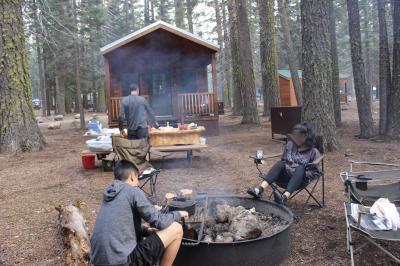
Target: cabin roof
column 286, row 74
column 153, row 27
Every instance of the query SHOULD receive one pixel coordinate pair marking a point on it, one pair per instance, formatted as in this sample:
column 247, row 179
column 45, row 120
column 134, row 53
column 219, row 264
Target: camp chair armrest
column 269, row 156
column 317, row 161
column 374, row 163
column 274, row 155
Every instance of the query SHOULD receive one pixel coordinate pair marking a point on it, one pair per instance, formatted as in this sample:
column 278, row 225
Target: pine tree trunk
column 363, row 96
column 220, row 55
column 317, row 88
column 235, row 59
column 384, row 67
column 41, row 83
column 179, row 13
column 162, row 11
column 189, row 13
column 146, row 12
column 368, row 73
column 77, row 69
column 247, row 83
column 18, row 128
column 335, row 65
column 393, row 122
column 291, row 55
column 269, row 70
column 227, row 84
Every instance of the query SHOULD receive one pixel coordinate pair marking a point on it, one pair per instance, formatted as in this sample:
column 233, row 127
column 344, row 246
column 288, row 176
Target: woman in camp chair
column 291, row 170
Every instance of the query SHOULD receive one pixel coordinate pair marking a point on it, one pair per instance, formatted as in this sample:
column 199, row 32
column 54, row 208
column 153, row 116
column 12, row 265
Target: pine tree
column 247, row 84
column 384, row 67
column 363, row 96
column 292, row 57
column 317, row 89
column 393, row 112
column 335, row 64
column 18, row 128
column 269, row 71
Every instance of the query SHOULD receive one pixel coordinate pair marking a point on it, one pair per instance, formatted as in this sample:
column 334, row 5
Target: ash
column 226, row 224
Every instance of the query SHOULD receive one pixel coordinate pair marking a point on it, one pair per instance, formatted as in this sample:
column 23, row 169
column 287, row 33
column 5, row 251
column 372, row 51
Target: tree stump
column 75, row 235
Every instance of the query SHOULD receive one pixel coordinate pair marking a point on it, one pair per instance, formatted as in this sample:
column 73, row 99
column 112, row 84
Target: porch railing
column 114, row 106
column 199, row 103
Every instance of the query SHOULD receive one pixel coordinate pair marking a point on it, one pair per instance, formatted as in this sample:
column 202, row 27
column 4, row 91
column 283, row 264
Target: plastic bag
column 383, row 208
column 102, row 143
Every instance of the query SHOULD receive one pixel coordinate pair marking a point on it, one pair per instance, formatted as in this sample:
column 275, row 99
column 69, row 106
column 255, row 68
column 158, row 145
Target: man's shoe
column 280, row 198
column 255, row 191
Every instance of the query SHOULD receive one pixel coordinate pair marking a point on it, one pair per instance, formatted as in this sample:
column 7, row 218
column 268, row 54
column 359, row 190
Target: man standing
column 133, row 109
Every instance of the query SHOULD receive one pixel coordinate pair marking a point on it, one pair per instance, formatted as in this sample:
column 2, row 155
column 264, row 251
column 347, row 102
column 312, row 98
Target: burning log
column 75, row 235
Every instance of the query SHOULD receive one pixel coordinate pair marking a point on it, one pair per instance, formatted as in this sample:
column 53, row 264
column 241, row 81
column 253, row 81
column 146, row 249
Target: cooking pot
column 182, row 204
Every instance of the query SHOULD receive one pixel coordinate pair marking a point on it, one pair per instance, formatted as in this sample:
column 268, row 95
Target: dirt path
column 32, row 184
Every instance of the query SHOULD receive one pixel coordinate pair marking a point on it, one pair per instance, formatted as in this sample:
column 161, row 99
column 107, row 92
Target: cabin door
column 159, row 84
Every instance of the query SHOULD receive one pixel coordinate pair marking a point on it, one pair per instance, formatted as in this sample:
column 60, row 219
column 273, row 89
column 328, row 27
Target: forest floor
column 33, row 184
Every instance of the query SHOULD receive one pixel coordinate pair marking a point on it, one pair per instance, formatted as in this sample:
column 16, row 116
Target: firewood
column 75, row 235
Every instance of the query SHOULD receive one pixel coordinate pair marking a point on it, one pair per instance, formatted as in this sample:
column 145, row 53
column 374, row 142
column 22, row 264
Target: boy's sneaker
column 255, row 191
column 280, row 198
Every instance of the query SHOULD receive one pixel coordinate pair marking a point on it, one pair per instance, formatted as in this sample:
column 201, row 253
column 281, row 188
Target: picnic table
column 163, row 151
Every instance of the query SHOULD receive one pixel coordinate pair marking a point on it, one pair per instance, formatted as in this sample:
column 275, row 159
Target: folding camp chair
column 368, row 186
column 136, row 151
column 308, row 187
column 355, row 226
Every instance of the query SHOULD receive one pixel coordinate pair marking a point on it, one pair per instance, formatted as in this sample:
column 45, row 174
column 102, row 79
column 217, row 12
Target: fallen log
column 75, row 235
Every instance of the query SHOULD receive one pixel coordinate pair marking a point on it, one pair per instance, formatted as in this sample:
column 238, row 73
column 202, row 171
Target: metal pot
column 182, row 204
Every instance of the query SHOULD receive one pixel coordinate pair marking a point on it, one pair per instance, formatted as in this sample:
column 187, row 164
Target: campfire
column 226, row 224
column 222, row 229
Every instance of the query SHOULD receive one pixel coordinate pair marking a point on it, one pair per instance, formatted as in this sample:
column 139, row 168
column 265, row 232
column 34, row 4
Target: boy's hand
column 184, row 215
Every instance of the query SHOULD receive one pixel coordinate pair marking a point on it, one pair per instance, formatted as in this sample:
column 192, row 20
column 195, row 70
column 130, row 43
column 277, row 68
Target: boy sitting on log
column 117, row 235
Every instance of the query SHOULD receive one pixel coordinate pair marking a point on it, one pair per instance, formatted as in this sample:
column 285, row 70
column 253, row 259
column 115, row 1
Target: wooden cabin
column 286, row 88
column 175, row 70
column 287, row 95
column 344, row 87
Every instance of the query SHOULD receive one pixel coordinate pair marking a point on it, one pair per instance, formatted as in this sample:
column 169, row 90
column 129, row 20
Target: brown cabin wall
column 284, row 89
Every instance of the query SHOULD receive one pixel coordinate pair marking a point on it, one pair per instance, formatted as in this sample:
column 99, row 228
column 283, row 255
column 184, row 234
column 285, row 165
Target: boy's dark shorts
column 148, row 252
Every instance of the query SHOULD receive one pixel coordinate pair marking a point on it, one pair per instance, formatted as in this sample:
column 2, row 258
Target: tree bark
column 190, row 4
column 335, row 65
column 77, row 69
column 41, row 81
column 317, row 89
column 363, row 96
column 368, row 73
column 393, row 121
column 179, row 13
column 269, row 70
column 247, row 83
column 221, row 54
column 236, row 69
column 384, row 67
column 291, row 55
column 18, row 128
column 227, row 84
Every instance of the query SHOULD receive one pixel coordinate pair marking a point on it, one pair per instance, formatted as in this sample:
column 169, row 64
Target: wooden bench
column 165, row 150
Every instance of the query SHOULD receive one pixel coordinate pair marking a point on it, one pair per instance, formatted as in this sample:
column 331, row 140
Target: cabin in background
column 175, row 70
column 288, row 97
column 286, row 88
